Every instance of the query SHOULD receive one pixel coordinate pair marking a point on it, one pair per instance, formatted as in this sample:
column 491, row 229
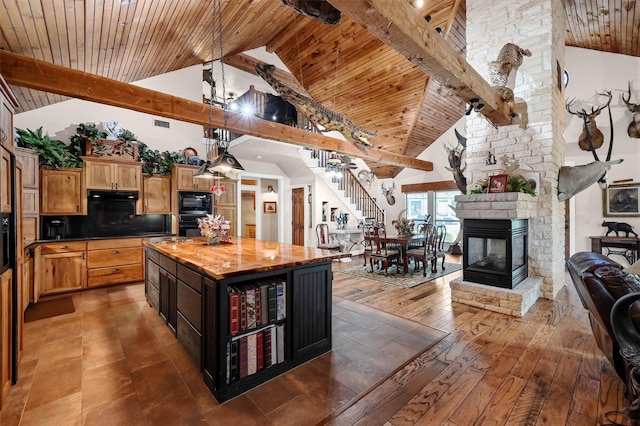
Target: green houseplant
column 52, row 152
column 514, row 184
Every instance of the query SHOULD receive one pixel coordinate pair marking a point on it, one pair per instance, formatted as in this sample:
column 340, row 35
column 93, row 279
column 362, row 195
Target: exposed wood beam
column 443, row 185
column 400, row 27
column 35, row 74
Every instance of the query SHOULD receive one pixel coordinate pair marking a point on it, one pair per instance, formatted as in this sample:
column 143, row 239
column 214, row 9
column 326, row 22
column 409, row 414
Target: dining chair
column 425, row 253
column 418, row 240
column 324, row 240
column 367, row 241
column 439, row 252
column 382, row 252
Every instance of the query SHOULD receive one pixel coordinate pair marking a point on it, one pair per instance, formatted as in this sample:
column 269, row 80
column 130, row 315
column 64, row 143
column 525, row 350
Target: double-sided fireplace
column 495, row 251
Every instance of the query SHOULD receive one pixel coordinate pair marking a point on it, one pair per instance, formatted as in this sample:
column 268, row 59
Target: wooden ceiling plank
column 79, row 37
column 287, row 34
column 28, row 72
column 152, row 26
column 407, row 32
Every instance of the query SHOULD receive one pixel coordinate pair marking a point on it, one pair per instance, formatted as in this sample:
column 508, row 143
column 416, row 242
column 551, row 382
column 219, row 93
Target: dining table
column 403, row 242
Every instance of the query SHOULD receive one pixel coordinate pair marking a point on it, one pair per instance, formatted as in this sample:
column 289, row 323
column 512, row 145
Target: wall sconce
column 271, row 189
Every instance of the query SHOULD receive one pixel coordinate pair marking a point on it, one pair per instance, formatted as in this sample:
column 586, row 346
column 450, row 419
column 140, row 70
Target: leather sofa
column 601, row 283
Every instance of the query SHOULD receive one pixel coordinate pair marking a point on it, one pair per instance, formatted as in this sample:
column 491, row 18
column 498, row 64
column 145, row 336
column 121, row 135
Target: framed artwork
column 621, row 200
column 497, row 183
column 270, row 207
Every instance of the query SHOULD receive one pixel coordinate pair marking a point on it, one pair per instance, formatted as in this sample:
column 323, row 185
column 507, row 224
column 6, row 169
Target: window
column 437, row 204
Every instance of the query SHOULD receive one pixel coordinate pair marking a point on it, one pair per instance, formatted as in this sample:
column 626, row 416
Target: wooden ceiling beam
column 31, row 73
column 247, row 63
column 401, row 28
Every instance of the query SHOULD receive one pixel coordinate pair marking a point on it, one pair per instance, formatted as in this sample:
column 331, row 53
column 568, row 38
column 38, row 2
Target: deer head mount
column 634, row 127
column 572, row 180
column 455, row 161
column 590, row 135
column 388, row 193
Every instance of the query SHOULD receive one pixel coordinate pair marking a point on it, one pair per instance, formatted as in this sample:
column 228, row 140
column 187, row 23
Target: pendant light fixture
column 225, row 162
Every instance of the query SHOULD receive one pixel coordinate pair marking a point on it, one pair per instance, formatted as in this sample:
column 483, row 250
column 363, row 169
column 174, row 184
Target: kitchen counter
column 221, row 301
column 242, row 256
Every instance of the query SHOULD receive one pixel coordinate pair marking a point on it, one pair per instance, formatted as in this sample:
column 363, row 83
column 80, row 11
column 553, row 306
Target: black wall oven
column 198, row 203
column 188, row 225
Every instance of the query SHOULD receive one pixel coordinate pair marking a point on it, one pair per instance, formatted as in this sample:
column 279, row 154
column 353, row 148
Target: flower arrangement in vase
column 215, row 228
column 403, row 225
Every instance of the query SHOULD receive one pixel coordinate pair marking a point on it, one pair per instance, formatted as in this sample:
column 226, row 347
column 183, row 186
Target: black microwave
column 195, row 202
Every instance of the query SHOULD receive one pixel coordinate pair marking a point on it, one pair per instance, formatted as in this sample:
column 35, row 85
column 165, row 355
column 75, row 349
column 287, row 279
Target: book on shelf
column 233, row 375
column 272, row 302
column 258, row 304
column 234, row 311
column 260, row 351
column 280, row 343
column 264, row 303
column 243, row 350
column 267, row 347
column 252, row 354
column 281, row 300
column 250, row 296
column 243, row 310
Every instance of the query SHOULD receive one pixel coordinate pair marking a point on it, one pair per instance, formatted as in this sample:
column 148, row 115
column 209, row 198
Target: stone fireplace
column 495, row 251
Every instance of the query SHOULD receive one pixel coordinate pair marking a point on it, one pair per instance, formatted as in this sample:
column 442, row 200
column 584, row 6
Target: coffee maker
column 55, row 228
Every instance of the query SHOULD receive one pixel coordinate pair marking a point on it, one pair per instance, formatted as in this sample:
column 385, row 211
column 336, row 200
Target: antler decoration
column 634, row 127
column 589, row 130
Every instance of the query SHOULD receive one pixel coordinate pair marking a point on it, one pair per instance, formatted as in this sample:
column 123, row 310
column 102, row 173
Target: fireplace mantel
column 506, row 205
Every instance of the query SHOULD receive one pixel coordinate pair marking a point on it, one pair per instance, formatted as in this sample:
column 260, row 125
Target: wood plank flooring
column 113, row 361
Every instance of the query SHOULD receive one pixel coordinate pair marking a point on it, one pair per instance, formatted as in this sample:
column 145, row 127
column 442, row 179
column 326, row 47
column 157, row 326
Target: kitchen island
column 246, row 311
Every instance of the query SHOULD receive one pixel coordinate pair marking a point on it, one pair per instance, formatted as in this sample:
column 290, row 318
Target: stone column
column 535, row 141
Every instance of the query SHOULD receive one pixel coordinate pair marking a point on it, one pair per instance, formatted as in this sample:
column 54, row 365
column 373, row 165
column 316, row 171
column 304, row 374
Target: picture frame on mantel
column 621, row 200
column 497, row 184
column 270, row 207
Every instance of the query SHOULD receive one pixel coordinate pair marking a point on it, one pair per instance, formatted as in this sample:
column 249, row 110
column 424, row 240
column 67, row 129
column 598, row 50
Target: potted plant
column 51, row 152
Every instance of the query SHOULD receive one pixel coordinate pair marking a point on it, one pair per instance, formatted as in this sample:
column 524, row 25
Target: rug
column 410, row 279
column 49, row 308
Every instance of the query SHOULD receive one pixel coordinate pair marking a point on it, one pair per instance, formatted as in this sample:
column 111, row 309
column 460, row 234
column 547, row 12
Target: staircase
column 348, row 188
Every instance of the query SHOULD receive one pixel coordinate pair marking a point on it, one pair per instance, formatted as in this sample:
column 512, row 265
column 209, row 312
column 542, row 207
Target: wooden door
column 99, row 175
column 183, row 177
column 297, row 215
column 128, row 177
column 60, row 192
column 157, row 194
column 6, row 280
column 5, row 181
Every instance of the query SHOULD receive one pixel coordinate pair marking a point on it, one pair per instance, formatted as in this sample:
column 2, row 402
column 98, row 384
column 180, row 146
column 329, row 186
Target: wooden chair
column 425, row 253
column 418, row 241
column 381, row 251
column 324, row 241
column 367, row 241
column 438, row 248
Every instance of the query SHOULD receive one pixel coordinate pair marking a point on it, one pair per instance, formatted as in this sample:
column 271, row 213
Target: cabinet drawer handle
column 115, row 270
column 115, row 252
column 64, row 247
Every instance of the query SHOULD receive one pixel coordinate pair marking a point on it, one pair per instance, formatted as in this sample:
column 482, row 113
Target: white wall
column 591, row 72
column 60, row 120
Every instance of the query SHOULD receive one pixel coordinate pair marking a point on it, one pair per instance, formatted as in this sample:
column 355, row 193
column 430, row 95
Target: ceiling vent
column 161, row 123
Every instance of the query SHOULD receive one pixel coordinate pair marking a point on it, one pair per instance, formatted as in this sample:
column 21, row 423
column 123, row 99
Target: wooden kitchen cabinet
column 185, row 181
column 114, row 261
column 30, row 193
column 27, row 279
column 5, row 180
column 110, row 175
column 156, row 195
column 59, row 267
column 6, row 282
column 61, row 192
column 225, row 204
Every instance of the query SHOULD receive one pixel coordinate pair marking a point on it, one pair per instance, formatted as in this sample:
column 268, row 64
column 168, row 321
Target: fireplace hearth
column 495, row 251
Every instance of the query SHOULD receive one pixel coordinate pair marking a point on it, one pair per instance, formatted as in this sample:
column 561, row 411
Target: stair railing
column 353, row 189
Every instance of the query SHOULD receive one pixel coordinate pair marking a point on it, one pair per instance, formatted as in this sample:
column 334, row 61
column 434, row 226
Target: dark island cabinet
column 284, row 319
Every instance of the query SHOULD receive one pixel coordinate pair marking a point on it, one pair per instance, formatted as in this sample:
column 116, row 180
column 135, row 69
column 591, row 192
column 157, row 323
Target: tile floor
column 114, row 361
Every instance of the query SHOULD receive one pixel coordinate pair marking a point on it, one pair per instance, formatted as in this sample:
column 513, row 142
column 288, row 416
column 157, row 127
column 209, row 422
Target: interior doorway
column 248, row 213
column 297, row 216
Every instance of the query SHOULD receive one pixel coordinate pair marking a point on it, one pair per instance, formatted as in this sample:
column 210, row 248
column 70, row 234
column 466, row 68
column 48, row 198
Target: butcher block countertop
column 241, row 256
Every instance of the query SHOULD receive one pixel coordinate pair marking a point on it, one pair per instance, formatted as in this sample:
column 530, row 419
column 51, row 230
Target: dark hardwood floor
column 114, row 361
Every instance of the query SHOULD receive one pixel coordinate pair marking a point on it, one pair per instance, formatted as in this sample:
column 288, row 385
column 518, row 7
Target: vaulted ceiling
column 343, row 66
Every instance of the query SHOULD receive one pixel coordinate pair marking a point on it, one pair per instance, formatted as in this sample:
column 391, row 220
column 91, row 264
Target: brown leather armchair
column 601, row 283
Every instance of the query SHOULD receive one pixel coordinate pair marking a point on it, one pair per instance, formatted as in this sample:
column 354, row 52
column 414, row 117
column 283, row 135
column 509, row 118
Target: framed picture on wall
column 621, row 200
column 270, row 207
column 497, row 183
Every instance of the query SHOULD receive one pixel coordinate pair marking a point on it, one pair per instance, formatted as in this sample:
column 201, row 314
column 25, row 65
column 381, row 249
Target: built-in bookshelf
column 247, row 329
